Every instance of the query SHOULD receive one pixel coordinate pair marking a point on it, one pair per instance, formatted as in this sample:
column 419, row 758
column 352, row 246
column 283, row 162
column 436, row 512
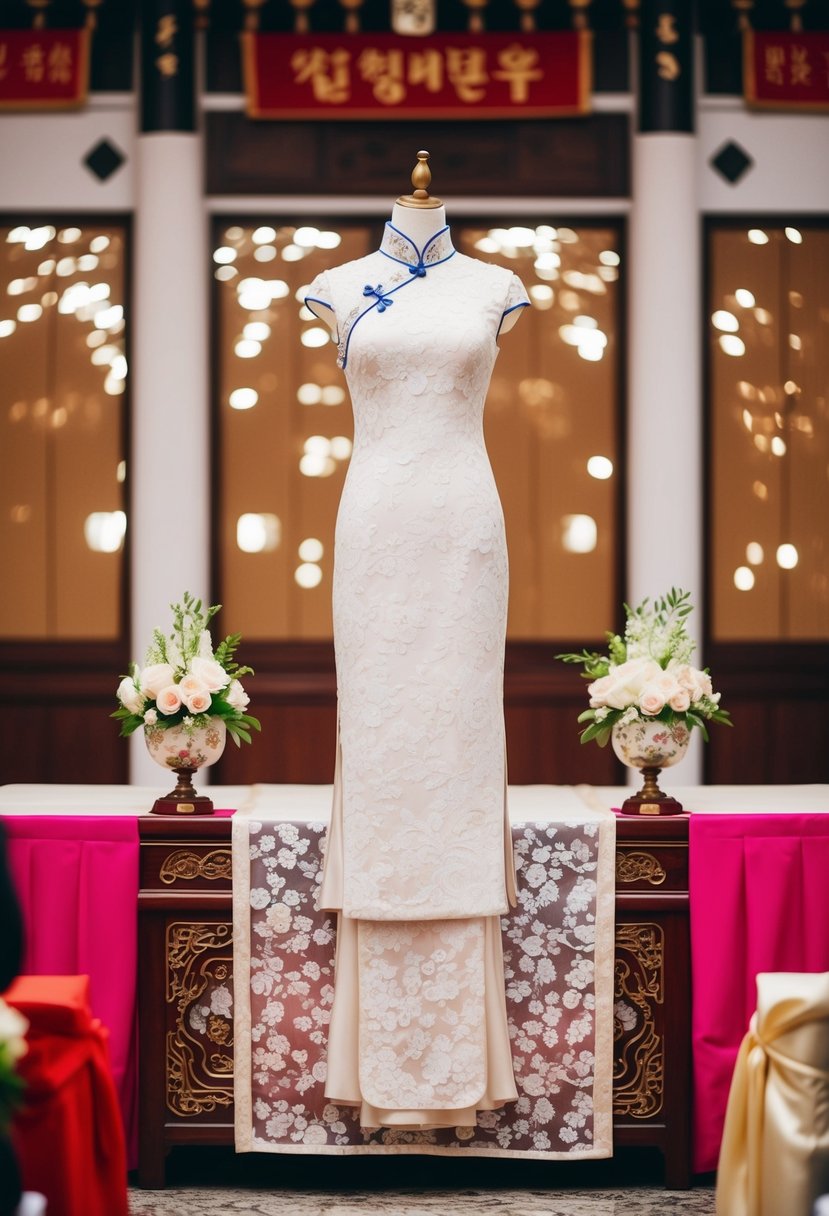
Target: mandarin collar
column 401, row 248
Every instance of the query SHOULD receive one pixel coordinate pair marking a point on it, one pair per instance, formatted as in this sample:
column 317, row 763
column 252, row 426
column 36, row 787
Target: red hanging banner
column 786, row 71
column 442, row 76
column 43, row 69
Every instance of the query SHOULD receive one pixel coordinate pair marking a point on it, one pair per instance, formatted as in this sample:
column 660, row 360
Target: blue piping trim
column 506, row 313
column 405, row 283
column 314, row 300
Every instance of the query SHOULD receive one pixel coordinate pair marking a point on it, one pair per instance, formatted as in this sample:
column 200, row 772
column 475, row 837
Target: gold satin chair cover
column 774, row 1159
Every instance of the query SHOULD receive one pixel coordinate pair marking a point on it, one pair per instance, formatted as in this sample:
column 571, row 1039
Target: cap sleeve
column 318, row 301
column 517, row 299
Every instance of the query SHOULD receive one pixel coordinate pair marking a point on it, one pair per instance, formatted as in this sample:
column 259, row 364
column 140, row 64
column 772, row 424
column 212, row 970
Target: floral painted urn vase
column 185, row 747
column 650, row 746
column 654, row 744
column 192, row 746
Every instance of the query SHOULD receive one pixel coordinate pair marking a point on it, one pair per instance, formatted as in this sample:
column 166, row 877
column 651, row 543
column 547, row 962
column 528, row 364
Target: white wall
column 42, row 157
column 790, row 154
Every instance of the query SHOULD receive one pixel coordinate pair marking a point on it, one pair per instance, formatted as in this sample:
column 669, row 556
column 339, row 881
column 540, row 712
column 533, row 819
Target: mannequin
column 420, row 217
column 419, row 863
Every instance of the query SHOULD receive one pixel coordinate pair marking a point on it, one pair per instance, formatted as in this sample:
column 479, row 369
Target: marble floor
column 216, row 1184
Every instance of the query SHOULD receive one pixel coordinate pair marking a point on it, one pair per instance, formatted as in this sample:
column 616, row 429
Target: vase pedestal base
column 183, row 800
column 641, row 806
column 650, row 800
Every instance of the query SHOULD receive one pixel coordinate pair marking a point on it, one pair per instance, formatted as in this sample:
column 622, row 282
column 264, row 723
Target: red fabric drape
column 68, row 1135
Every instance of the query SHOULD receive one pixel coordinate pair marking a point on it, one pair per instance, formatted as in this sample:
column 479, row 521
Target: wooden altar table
column 184, row 915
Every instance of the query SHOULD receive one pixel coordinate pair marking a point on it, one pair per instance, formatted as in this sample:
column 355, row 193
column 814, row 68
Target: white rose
column 651, row 699
column 598, row 690
column 209, row 672
column 150, row 717
column 236, row 696
column 169, row 699
column 129, row 696
column 704, row 681
column 13, row 1027
column 627, row 681
column 680, row 701
column 155, row 677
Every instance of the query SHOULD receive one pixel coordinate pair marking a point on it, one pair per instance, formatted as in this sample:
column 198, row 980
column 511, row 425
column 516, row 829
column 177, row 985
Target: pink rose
column 198, row 701
column 695, row 682
column 680, row 701
column 651, row 700
column 168, row 701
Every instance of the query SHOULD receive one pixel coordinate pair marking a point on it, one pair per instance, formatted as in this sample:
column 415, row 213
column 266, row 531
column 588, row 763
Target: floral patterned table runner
column 558, row 962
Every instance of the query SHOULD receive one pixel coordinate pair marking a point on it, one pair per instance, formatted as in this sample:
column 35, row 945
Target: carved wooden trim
column 199, row 1059
column 186, row 864
column 638, row 1069
column 639, row 867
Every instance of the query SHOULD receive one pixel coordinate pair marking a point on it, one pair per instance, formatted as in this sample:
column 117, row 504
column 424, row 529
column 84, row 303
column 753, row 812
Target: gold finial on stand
column 421, row 177
column 527, row 10
column 743, row 8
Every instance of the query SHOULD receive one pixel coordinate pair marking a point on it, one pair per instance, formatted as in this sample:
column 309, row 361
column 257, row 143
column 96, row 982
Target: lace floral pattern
column 397, row 245
column 420, row 596
column 428, row 979
column 550, row 950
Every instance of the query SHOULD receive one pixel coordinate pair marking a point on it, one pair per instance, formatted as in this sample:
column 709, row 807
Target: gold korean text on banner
column 786, row 70
column 449, row 76
column 43, row 69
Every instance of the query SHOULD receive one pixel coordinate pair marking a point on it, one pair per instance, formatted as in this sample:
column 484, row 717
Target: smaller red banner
column 786, row 71
column 444, row 76
column 43, row 69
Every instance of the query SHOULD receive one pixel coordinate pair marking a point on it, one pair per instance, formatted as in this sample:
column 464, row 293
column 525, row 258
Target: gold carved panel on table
column 638, row 866
column 189, row 864
column 199, row 994
column 639, row 1051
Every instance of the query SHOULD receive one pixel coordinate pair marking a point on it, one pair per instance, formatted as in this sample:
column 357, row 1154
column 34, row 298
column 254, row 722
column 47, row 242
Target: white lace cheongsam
column 419, row 860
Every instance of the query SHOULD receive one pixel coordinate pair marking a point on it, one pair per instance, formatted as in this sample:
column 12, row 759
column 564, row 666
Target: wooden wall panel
column 778, row 698
column 55, row 724
column 55, row 702
column 576, row 158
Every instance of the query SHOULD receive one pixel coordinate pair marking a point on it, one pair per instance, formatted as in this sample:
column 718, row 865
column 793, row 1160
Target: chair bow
column 383, row 302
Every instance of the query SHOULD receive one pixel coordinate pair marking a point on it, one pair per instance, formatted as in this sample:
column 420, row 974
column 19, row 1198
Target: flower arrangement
column 185, row 681
column 646, row 674
column 13, row 1027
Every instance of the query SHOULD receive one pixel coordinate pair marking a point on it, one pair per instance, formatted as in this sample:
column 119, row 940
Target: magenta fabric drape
column 759, row 888
column 76, row 877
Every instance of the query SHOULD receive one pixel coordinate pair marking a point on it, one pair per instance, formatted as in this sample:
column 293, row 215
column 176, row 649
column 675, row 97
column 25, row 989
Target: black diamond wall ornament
column 104, row 159
column 731, row 162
